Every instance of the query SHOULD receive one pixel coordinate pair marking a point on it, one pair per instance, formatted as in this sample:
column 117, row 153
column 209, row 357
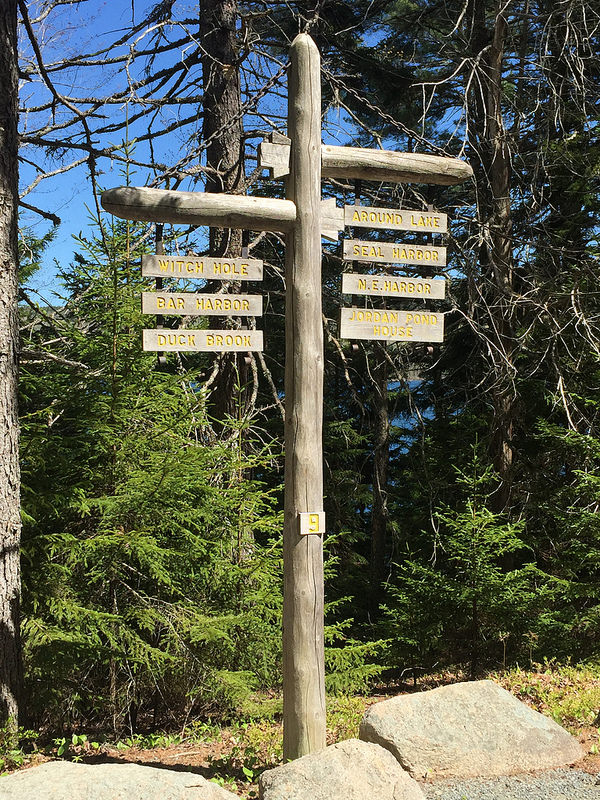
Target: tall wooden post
column 303, row 218
column 303, row 647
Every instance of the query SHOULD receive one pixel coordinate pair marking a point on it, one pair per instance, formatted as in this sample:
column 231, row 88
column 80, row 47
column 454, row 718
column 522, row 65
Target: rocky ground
column 234, row 755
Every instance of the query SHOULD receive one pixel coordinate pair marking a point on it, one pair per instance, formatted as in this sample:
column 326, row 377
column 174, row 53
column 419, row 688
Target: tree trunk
column 493, row 173
column 10, row 525
column 381, row 455
column 222, row 128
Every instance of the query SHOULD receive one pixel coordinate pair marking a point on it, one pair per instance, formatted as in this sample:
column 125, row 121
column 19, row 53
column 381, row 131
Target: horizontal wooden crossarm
column 200, row 208
column 218, row 210
column 370, row 164
column 387, row 165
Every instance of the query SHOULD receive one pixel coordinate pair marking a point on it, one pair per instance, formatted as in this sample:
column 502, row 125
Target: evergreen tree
column 453, row 597
column 136, row 510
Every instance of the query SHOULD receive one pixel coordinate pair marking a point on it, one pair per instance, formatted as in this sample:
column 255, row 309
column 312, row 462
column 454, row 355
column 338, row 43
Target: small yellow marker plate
column 312, row 522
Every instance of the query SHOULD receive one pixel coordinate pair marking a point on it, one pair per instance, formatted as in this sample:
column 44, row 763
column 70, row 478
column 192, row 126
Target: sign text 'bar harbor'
column 196, row 304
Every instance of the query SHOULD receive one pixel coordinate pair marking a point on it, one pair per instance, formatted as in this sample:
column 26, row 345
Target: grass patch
column 570, row 695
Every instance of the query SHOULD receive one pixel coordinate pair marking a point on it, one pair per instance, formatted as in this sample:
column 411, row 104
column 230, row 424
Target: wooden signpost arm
column 303, row 647
column 387, row 165
column 371, row 165
column 200, row 208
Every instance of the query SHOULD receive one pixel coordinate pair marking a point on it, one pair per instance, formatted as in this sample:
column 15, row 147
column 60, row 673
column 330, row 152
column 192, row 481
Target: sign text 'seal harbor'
column 356, row 250
column 395, row 219
column 391, row 326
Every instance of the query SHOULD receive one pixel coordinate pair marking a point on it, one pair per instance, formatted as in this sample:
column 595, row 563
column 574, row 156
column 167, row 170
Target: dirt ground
column 234, row 756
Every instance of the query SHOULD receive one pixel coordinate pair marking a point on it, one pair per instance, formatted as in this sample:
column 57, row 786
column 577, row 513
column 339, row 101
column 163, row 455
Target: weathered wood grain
column 200, row 208
column 193, row 267
column 393, row 286
column 373, row 165
column 303, row 645
column 386, row 325
column 387, row 165
column 198, row 304
column 210, row 341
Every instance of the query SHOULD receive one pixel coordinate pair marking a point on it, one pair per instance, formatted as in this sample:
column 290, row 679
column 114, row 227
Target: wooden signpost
column 303, row 217
column 195, row 267
column 393, row 286
column 393, row 253
column 387, row 325
column 395, row 219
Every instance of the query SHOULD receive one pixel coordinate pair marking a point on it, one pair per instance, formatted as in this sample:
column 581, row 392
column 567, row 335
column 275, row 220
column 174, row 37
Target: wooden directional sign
column 198, row 304
column 397, row 219
column 192, row 340
column 393, row 286
column 208, row 267
column 303, row 219
column 391, row 326
column 355, row 250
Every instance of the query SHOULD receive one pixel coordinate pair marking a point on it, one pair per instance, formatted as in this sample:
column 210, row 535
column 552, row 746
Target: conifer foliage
column 151, row 567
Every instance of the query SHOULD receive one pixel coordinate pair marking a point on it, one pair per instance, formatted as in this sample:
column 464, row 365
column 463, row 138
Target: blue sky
column 86, row 29
column 75, row 30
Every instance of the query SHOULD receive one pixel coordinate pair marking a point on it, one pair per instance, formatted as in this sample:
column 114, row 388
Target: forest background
column 461, row 479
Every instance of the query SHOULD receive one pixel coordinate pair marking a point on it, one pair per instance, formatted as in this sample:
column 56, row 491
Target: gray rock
column 467, row 730
column 63, row 780
column 350, row 770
